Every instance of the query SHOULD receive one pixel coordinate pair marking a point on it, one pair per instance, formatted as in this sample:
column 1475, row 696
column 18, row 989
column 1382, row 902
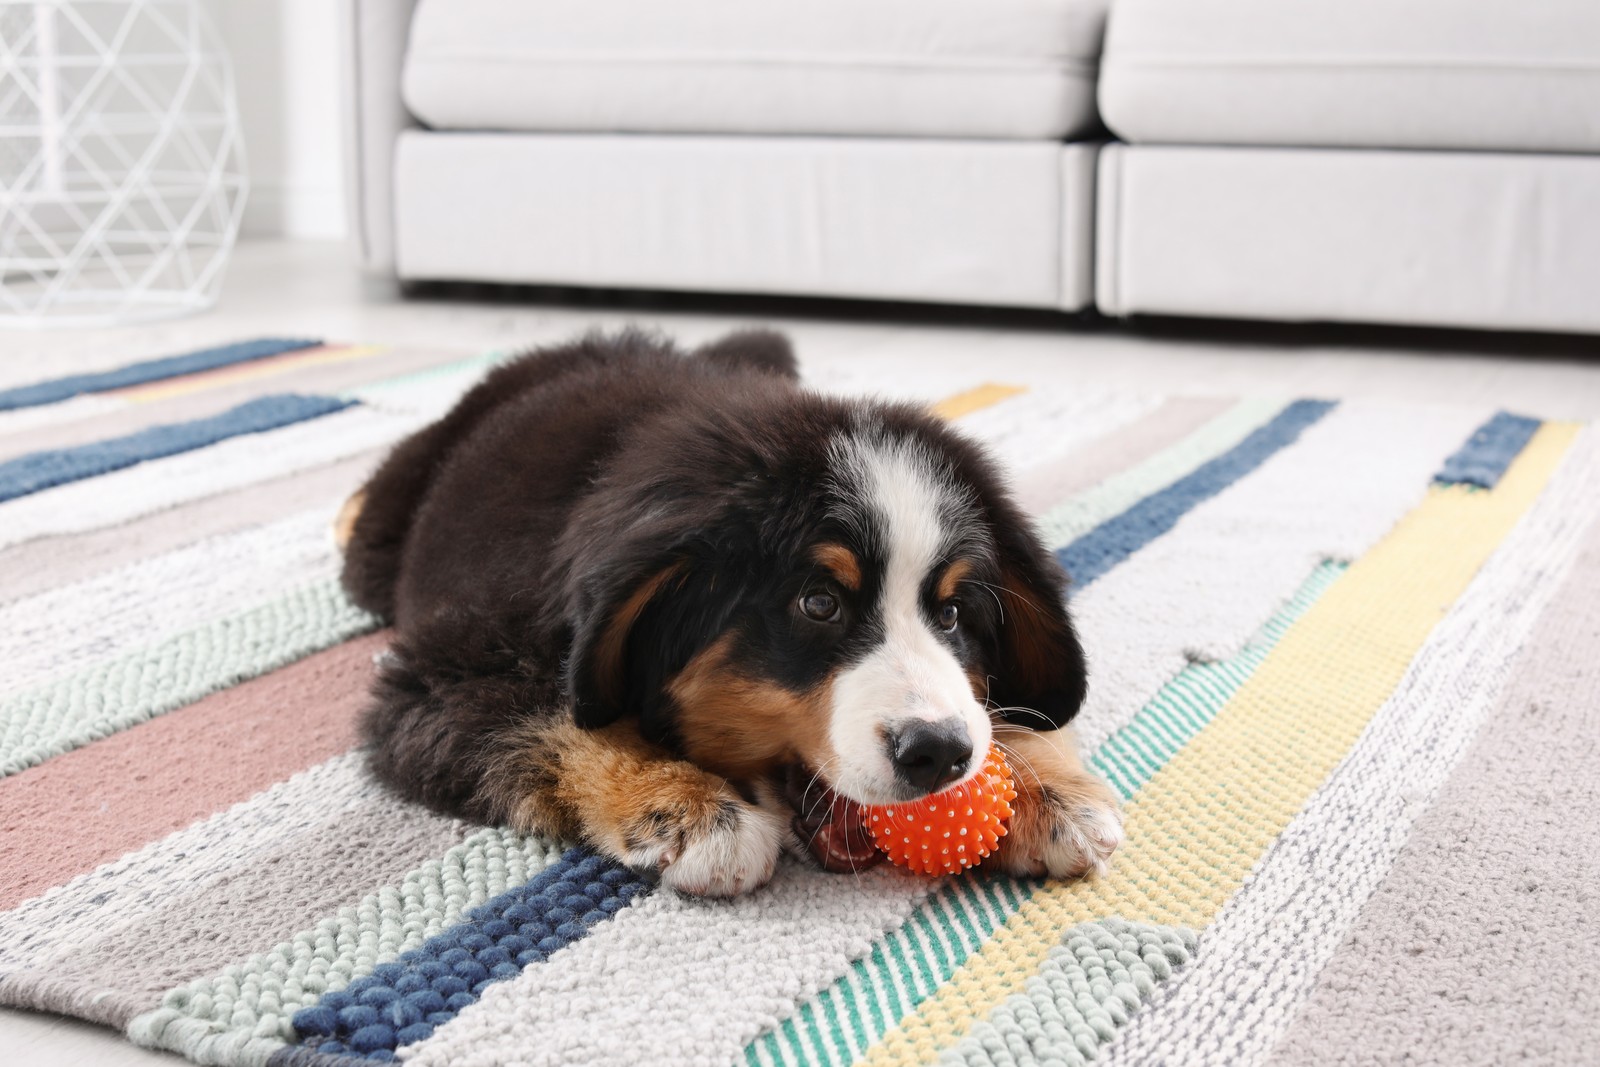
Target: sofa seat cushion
column 1020, row 69
column 997, row 222
column 1438, row 74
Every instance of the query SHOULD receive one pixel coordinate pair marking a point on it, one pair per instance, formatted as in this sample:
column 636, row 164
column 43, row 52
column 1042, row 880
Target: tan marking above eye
column 840, row 562
column 951, row 579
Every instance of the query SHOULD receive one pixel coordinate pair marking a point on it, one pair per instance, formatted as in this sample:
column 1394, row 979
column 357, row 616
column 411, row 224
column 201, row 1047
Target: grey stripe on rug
column 1480, row 947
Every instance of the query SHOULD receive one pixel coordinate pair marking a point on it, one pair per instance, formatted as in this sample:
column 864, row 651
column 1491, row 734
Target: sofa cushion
column 1005, row 223
column 915, row 68
column 1478, row 239
column 1446, row 74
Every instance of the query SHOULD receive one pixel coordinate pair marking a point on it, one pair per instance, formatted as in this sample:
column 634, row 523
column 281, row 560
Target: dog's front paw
column 1063, row 833
column 724, row 850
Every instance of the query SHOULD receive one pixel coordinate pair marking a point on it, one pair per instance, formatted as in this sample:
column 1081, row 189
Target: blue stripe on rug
column 1105, row 546
column 402, row 1002
column 58, row 389
column 37, row 471
column 1488, row 452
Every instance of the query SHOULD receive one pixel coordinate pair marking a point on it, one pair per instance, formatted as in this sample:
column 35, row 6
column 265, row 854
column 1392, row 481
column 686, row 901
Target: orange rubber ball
column 948, row 832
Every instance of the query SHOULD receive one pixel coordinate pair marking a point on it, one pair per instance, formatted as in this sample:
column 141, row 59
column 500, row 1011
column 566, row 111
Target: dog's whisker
column 994, row 592
column 1018, row 709
column 1017, row 759
column 822, row 796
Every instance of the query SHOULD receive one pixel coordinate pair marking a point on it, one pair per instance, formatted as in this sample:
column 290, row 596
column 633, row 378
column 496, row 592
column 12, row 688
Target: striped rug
column 1298, row 611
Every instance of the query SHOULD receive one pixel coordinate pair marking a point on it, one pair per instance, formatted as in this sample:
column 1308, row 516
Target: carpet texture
column 1343, row 658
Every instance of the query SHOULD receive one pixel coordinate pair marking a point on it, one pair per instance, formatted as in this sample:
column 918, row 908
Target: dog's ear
column 1038, row 674
column 602, row 630
column 638, row 634
column 765, row 351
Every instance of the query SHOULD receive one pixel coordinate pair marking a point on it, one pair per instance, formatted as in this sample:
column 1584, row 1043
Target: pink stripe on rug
column 301, row 876
column 96, row 803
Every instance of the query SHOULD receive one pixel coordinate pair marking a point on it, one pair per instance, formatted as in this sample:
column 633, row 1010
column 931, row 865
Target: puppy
column 681, row 609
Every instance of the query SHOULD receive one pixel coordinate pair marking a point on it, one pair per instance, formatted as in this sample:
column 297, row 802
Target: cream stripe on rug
column 115, row 694
column 751, row 957
column 18, row 424
column 69, row 628
column 1200, row 591
column 166, row 483
column 1041, row 425
column 44, row 564
column 1257, row 962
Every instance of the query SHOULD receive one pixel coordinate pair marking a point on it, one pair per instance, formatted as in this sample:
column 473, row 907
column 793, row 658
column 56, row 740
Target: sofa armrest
column 374, row 35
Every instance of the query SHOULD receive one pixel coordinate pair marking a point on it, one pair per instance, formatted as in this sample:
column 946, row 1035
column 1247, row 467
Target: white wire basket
column 122, row 176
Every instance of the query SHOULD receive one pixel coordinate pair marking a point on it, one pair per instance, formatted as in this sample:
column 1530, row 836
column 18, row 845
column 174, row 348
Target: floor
column 282, row 288
column 276, row 288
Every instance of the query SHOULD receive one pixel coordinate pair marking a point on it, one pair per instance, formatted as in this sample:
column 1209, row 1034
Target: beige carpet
column 1483, row 945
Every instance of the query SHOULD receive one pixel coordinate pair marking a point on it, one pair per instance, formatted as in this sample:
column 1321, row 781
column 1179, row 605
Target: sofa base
column 973, row 222
column 1484, row 240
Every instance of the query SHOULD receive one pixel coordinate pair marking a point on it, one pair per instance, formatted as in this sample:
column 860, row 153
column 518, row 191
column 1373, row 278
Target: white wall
column 285, row 64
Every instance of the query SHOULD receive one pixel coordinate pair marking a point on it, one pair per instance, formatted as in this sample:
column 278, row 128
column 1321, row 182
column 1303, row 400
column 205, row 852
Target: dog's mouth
column 830, row 826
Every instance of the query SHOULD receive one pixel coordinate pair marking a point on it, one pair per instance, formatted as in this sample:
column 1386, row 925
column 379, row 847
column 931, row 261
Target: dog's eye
column 824, row 607
column 947, row 616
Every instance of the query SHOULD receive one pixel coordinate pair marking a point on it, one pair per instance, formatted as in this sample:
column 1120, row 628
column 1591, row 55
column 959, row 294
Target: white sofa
column 1403, row 161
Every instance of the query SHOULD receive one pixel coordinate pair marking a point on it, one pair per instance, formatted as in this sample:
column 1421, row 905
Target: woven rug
column 1299, row 613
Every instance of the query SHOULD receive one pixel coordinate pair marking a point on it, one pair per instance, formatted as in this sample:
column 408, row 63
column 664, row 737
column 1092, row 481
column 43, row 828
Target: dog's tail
column 344, row 524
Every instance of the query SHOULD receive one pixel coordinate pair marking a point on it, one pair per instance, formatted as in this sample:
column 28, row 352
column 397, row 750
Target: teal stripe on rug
column 862, row 999
column 375, row 392
column 36, row 471
column 1188, row 702
column 101, row 700
column 152, row 370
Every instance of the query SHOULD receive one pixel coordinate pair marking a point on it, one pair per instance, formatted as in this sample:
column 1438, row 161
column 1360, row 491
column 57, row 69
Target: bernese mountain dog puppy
column 680, row 608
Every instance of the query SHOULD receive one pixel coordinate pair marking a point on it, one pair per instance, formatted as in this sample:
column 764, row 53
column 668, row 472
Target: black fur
column 503, row 541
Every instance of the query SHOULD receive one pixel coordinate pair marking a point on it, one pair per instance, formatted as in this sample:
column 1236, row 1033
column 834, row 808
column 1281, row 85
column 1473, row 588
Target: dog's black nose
column 928, row 755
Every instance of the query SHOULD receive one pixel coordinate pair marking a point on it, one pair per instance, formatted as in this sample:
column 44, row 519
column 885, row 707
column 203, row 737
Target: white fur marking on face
column 913, row 514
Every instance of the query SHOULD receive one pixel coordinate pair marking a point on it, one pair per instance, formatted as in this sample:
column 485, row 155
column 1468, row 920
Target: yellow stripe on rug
column 1201, row 823
column 974, row 399
column 245, row 372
